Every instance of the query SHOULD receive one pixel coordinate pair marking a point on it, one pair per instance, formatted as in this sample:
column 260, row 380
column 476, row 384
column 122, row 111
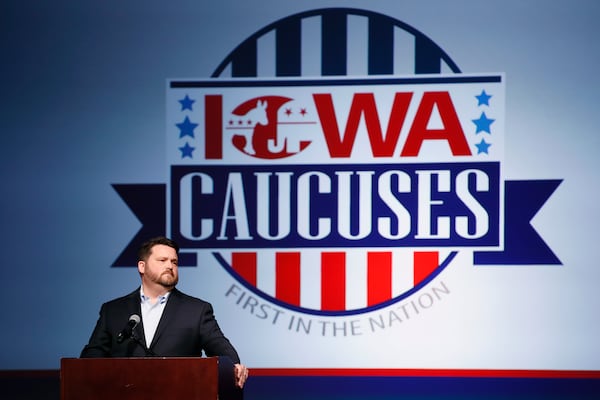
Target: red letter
column 452, row 131
column 213, row 127
column 362, row 104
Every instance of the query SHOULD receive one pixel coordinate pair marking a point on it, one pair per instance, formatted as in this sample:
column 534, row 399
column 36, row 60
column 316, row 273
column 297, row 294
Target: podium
column 192, row 378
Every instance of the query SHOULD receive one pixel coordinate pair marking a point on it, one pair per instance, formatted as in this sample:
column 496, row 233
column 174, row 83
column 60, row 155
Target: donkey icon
column 259, row 133
column 247, row 122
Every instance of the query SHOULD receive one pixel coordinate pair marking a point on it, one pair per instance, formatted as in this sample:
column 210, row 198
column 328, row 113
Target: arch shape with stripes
column 325, row 36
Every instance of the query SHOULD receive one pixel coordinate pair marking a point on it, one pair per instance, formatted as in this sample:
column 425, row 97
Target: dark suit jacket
column 187, row 327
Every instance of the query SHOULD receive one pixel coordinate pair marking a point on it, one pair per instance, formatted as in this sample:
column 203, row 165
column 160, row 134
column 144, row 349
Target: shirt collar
column 161, row 299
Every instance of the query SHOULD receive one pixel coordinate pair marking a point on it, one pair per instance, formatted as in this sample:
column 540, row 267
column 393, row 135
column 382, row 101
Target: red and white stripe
column 334, row 280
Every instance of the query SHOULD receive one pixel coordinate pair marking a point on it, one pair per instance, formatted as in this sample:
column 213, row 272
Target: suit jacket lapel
column 139, row 332
column 168, row 312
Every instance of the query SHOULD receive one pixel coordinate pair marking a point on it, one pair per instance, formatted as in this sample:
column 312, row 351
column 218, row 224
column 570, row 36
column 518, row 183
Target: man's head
column 146, row 248
column 157, row 264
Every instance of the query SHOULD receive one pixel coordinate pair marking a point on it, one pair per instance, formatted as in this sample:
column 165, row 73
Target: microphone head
column 135, row 318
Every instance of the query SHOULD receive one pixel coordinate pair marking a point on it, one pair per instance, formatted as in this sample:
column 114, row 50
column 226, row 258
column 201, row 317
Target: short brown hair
column 146, row 248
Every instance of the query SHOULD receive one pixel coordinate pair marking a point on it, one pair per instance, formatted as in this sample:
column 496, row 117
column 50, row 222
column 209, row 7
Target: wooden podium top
column 141, row 378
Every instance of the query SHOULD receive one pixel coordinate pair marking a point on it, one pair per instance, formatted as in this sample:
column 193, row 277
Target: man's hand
column 241, row 374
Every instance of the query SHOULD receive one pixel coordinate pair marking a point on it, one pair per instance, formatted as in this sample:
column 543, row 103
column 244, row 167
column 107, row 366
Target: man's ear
column 141, row 266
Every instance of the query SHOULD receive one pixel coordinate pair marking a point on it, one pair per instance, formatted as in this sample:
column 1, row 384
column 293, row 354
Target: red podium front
column 147, row 378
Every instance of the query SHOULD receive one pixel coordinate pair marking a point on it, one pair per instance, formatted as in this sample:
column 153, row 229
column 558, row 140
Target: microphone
column 127, row 332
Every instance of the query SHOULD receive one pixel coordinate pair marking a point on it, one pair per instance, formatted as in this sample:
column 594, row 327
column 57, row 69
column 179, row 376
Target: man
column 172, row 323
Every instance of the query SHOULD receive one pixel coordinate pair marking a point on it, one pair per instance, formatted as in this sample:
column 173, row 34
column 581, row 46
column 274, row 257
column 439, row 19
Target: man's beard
column 167, row 280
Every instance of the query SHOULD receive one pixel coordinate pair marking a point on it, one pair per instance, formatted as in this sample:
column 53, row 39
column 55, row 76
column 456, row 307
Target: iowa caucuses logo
column 332, row 184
